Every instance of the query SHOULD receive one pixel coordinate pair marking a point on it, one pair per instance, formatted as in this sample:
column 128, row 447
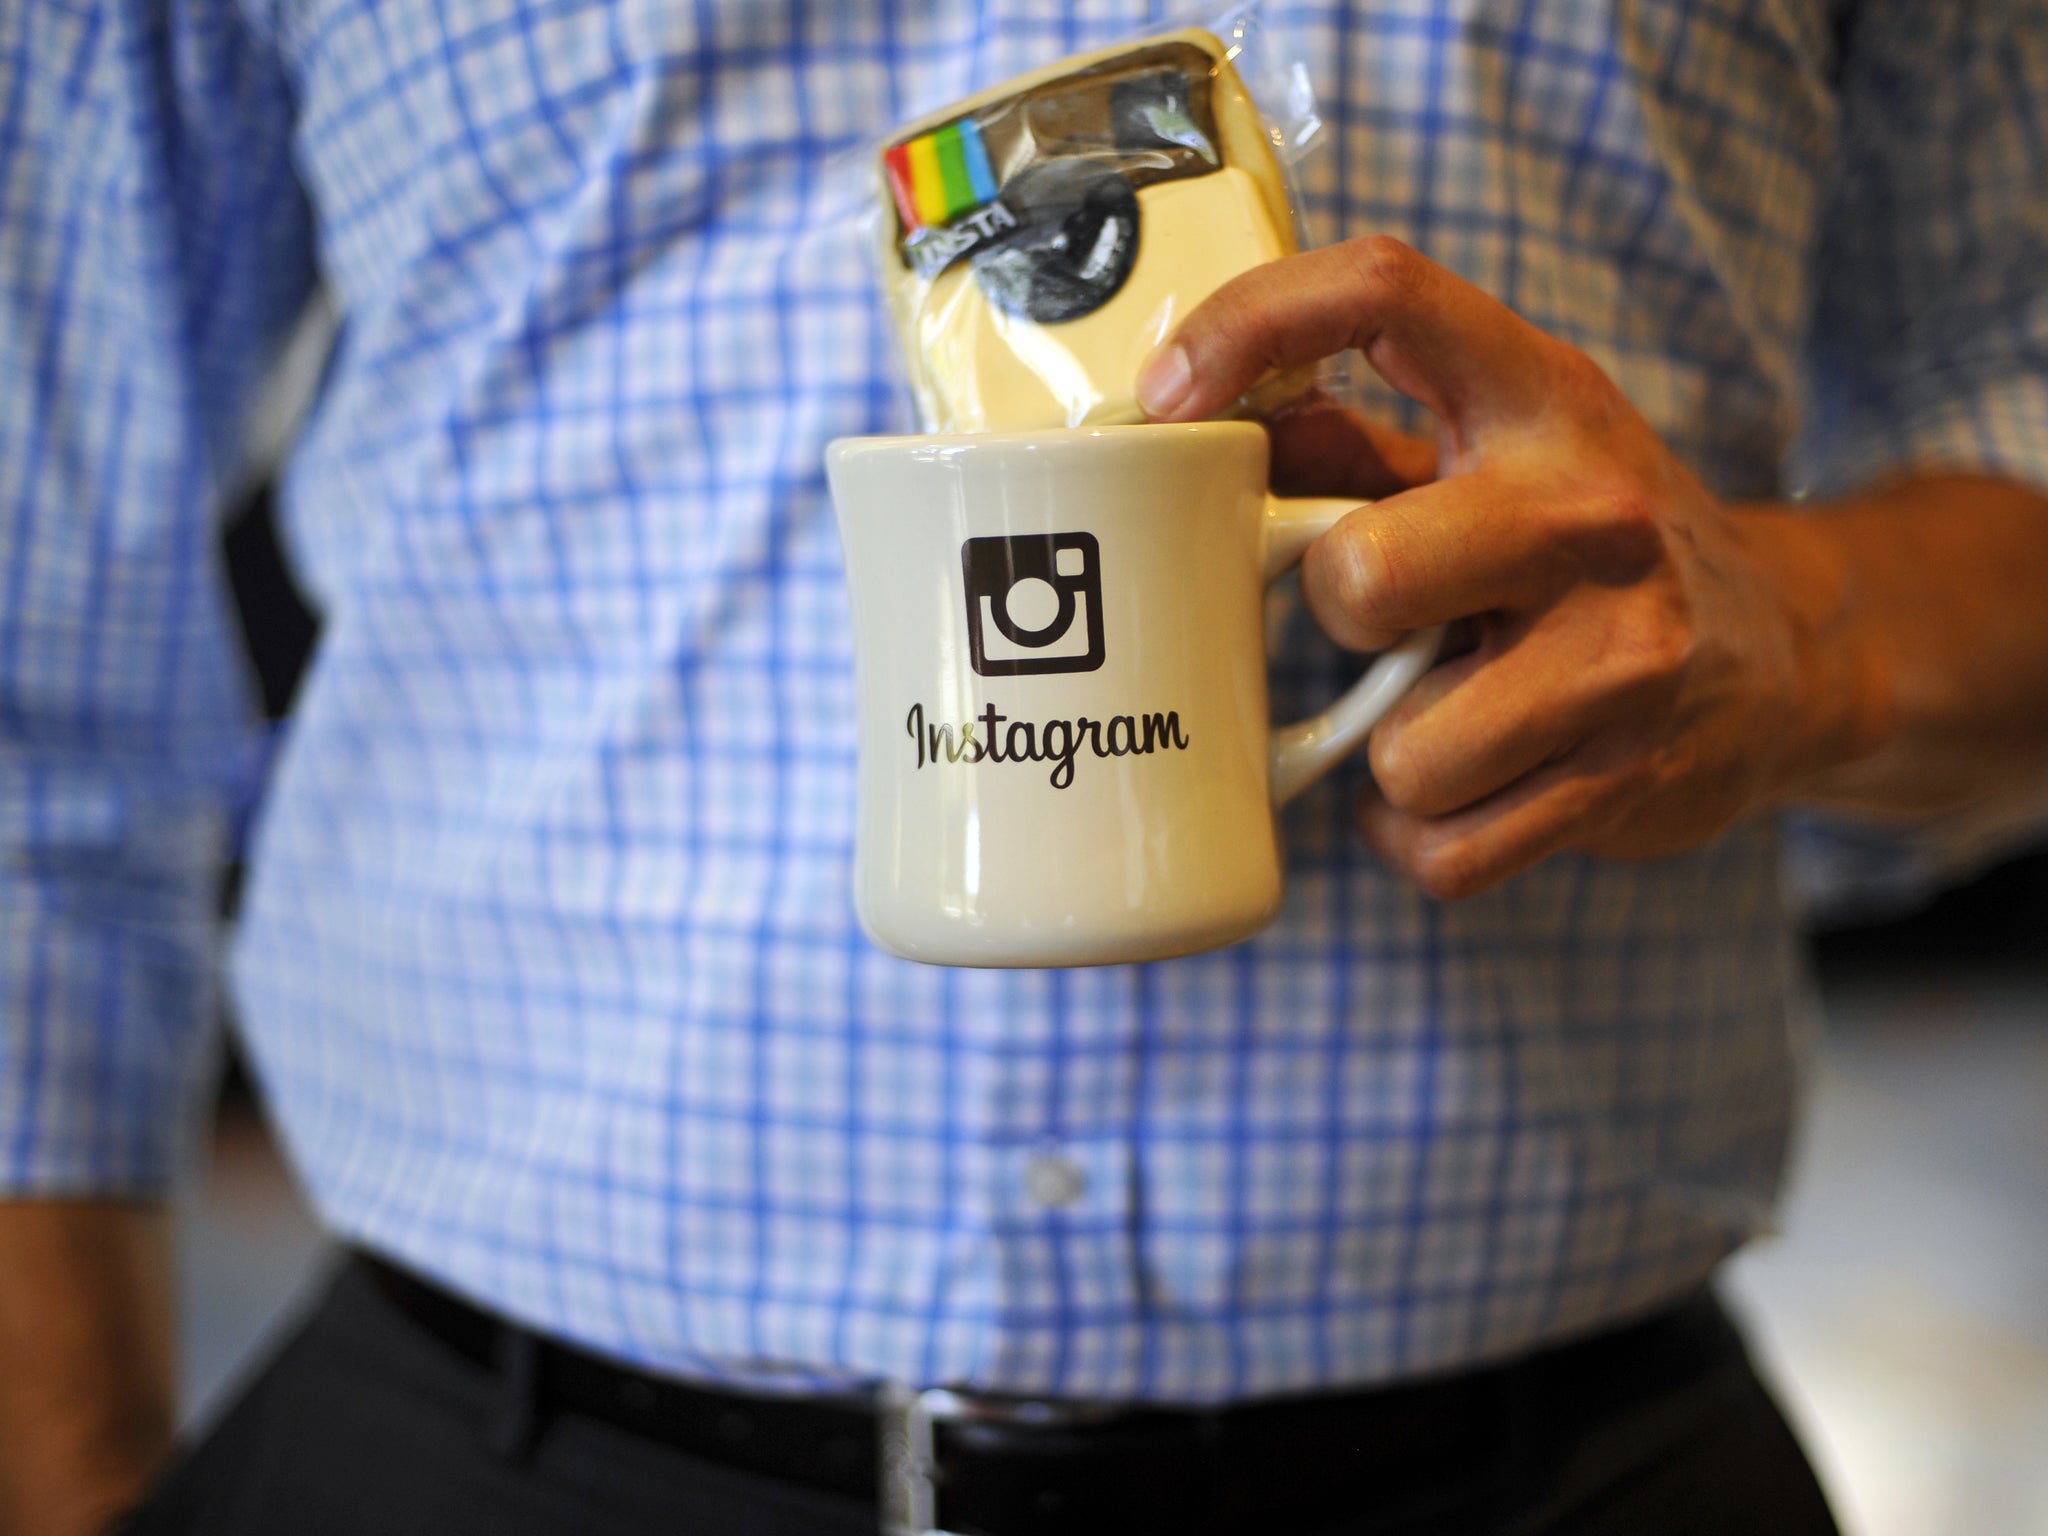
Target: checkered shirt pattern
column 549, row 964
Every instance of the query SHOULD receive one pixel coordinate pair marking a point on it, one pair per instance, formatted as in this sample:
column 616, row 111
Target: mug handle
column 1303, row 752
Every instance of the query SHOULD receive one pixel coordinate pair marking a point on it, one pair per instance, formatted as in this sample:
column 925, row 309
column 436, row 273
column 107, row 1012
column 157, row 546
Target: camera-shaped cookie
column 1048, row 234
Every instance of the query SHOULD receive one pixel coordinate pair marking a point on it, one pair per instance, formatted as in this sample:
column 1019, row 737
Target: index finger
column 1463, row 355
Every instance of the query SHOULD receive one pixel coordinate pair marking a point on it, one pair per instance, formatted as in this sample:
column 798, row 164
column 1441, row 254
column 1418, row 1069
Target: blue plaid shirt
column 549, row 963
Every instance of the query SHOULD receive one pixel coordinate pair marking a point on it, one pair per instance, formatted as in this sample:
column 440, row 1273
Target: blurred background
column 1902, row 1310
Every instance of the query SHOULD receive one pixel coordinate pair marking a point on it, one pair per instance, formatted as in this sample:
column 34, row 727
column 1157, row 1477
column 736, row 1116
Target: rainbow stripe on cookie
column 939, row 176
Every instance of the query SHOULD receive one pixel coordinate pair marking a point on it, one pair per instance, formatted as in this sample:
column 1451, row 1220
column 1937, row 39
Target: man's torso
column 550, row 963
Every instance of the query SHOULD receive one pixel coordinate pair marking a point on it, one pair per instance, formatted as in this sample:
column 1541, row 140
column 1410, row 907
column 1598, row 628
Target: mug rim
column 1051, row 439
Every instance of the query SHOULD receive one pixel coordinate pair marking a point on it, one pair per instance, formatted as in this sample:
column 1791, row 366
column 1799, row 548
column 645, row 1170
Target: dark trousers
column 366, row 1425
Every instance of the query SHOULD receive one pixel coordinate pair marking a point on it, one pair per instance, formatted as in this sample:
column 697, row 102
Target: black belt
column 1008, row 1468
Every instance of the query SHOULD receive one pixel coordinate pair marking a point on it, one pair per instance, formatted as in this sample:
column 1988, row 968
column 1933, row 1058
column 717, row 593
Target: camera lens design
column 1153, row 114
column 1077, row 246
column 1034, row 603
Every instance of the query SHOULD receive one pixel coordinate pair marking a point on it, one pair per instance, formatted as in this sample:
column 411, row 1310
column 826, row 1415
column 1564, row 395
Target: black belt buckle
column 909, row 1419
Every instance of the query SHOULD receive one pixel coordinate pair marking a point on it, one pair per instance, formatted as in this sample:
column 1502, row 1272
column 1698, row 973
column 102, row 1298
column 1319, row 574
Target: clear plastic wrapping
column 1037, row 241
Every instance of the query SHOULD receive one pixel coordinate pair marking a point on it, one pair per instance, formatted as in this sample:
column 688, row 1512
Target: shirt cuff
column 1996, row 428
column 108, row 991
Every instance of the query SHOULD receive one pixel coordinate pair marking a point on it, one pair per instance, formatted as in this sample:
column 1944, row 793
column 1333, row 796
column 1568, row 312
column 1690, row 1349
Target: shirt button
column 1054, row 1182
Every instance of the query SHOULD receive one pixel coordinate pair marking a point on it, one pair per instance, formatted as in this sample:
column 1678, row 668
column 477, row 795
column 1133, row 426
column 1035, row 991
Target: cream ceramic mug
column 1060, row 664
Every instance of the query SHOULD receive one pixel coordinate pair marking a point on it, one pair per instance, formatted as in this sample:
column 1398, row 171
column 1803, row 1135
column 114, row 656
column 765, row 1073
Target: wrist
column 1838, row 681
column 87, row 1389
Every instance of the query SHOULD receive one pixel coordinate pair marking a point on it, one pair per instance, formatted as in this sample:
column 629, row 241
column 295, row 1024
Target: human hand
column 1641, row 677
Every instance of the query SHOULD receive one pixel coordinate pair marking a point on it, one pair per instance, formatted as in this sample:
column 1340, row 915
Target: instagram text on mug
column 1023, row 742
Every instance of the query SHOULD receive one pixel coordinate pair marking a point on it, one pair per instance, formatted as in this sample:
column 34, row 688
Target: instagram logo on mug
column 1085, row 770
column 1034, row 603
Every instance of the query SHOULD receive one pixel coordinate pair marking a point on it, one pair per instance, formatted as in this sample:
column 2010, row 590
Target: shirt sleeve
column 154, row 247
column 1929, row 343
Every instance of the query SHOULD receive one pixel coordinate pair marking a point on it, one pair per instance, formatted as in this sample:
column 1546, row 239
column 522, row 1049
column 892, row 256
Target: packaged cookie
column 1040, row 239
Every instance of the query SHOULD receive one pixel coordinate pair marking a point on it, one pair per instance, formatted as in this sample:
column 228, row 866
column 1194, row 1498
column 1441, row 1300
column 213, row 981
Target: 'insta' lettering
column 1059, row 742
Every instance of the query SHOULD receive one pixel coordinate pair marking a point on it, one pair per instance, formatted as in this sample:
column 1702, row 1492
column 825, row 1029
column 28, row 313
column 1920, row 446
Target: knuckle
column 1609, row 528
column 1587, row 384
column 1627, row 509
column 1404, row 779
column 1655, row 655
column 1604, row 796
column 1642, row 675
column 1447, row 870
column 1579, row 367
column 1623, row 532
column 1357, row 574
column 1398, row 267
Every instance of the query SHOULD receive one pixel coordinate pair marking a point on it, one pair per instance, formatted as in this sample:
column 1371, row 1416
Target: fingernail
column 1165, row 382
